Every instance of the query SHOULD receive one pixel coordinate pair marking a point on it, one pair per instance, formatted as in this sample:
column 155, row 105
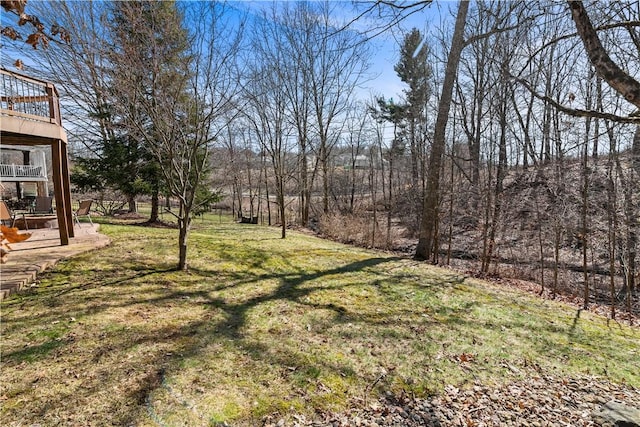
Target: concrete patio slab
column 43, row 251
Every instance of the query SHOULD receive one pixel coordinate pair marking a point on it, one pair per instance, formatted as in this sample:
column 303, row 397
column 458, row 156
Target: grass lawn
column 262, row 325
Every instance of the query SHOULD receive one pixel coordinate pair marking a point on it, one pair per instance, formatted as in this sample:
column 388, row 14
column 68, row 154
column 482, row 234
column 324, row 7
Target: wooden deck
column 30, row 116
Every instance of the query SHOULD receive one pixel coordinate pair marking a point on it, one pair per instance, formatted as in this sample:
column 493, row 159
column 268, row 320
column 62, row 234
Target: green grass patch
column 262, row 326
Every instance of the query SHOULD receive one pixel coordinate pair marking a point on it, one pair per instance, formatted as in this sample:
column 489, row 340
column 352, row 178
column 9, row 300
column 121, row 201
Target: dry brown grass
column 360, row 230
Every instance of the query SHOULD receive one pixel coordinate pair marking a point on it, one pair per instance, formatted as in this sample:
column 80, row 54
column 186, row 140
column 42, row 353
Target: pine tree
column 149, row 67
column 414, row 70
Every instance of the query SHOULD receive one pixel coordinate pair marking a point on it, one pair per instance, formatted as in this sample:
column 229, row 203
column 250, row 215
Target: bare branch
column 403, row 11
column 626, row 24
column 497, row 29
column 402, row 5
column 618, row 79
column 576, row 112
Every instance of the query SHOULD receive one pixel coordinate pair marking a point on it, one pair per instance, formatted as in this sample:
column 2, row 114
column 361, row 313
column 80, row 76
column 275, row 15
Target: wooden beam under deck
column 17, row 130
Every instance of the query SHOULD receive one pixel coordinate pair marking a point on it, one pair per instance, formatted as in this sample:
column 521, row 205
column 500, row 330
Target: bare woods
column 512, row 149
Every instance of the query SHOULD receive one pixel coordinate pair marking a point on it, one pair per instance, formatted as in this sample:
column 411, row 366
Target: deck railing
column 28, row 98
column 21, row 171
column 34, row 168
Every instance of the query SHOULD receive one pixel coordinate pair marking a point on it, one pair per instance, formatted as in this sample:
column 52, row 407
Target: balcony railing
column 28, row 98
column 33, row 167
column 21, row 171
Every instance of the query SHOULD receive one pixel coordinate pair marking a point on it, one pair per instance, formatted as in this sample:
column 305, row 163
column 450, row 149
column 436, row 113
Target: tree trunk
column 266, row 192
column 612, row 217
column 632, row 237
column 545, row 148
column 584, row 214
column 240, row 200
column 183, row 225
column 325, row 177
column 131, row 202
column 304, row 193
column 540, row 242
column 282, row 207
column 250, row 187
column 426, row 247
column 155, row 203
column 390, row 200
column 372, row 186
column 266, row 187
column 622, row 82
column 486, row 223
column 500, row 173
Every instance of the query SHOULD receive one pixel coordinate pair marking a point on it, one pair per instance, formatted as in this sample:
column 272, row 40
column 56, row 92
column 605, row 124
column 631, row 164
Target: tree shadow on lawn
column 253, row 257
column 191, row 338
column 225, row 319
column 56, row 297
column 291, row 289
column 134, row 380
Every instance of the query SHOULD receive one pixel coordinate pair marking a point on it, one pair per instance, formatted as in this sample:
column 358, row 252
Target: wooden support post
column 66, row 189
column 41, row 189
column 58, row 190
column 54, row 106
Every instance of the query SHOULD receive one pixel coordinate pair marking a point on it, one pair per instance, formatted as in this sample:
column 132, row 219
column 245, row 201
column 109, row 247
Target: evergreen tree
column 414, row 70
column 149, row 66
column 123, row 164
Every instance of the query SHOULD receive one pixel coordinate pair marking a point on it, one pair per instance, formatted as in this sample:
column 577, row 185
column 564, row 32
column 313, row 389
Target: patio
column 43, row 251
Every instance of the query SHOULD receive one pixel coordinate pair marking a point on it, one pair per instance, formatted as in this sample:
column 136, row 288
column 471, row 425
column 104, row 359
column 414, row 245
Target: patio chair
column 6, row 215
column 40, row 211
column 43, row 205
column 83, row 210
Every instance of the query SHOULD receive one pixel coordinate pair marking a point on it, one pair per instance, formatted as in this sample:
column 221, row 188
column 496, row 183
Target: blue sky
column 388, row 83
column 386, row 46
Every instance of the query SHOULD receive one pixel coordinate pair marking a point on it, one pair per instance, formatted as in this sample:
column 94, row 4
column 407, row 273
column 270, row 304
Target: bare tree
column 297, row 33
column 268, row 107
column 105, row 158
column 336, row 63
column 396, row 114
column 618, row 79
column 629, row 88
column 359, row 134
column 427, row 248
column 179, row 107
column 80, row 69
